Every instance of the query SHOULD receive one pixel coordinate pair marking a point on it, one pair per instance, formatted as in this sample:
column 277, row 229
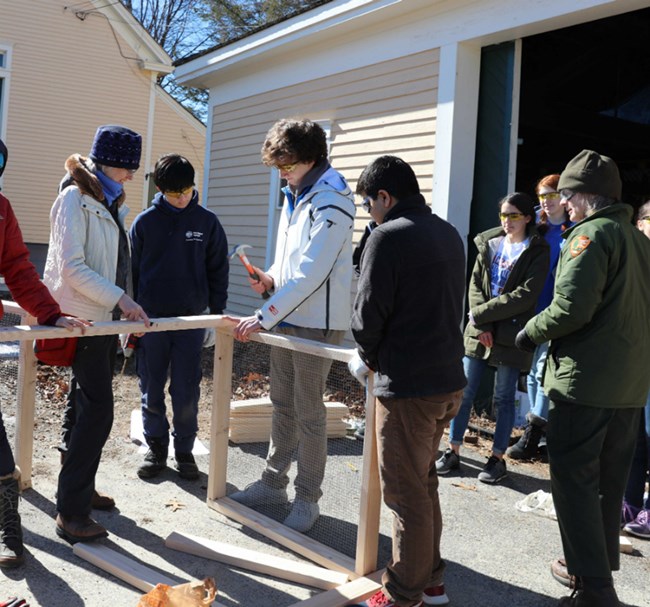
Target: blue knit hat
column 116, row 146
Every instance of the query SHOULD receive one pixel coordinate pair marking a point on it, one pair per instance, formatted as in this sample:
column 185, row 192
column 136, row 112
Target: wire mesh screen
column 285, row 377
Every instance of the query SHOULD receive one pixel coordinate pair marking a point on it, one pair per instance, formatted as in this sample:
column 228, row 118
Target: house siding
column 68, row 76
column 386, row 108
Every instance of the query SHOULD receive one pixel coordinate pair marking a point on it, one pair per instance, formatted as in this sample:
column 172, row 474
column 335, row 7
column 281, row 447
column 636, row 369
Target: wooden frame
column 341, row 566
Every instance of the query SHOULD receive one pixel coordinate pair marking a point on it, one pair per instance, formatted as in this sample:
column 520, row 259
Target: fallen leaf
column 174, row 504
column 464, row 486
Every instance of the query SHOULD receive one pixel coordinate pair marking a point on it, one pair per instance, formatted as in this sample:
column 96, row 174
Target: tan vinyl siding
column 386, row 108
column 69, row 76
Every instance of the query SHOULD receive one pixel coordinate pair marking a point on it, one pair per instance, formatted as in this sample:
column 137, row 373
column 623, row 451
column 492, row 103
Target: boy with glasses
column 309, row 282
column 415, row 345
column 180, row 268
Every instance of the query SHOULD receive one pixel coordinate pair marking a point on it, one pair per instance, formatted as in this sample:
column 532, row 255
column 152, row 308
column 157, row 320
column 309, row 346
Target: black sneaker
column 155, row 461
column 493, row 471
column 186, row 466
column 449, row 461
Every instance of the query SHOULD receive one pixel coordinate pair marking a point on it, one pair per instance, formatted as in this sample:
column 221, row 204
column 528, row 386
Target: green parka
column 504, row 316
column 599, row 320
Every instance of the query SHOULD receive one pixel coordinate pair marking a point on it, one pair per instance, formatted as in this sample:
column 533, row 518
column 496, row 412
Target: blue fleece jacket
column 180, row 260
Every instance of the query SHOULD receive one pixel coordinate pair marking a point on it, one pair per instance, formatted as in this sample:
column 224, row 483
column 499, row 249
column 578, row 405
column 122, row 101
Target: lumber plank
column 370, row 499
column 121, row 566
column 113, row 327
column 220, row 416
column 625, row 545
column 25, row 409
column 252, row 560
column 356, row 590
column 297, row 542
column 307, row 346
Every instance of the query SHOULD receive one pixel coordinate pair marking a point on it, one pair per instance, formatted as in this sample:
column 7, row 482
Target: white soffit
column 348, row 34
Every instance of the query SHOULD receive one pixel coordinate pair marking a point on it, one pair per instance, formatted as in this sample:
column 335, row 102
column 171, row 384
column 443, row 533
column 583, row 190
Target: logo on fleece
column 578, row 245
column 191, row 236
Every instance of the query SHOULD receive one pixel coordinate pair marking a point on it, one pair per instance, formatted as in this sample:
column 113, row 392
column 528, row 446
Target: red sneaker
column 435, row 595
column 379, row 599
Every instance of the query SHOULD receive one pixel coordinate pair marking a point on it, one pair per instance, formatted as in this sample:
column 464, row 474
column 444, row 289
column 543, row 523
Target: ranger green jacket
column 504, row 316
column 599, row 320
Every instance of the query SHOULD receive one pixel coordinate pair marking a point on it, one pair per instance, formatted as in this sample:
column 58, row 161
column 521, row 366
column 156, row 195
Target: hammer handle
column 253, row 274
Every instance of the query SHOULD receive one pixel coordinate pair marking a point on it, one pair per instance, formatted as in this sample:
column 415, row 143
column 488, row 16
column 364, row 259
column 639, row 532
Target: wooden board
column 121, row 566
column 250, row 420
column 297, row 542
column 354, row 591
column 370, row 499
column 295, row 571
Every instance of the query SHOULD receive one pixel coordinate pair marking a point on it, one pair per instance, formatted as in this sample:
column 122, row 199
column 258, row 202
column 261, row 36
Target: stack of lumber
column 250, row 420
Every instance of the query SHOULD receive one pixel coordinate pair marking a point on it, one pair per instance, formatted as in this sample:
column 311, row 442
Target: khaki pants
column 299, row 420
column 408, row 436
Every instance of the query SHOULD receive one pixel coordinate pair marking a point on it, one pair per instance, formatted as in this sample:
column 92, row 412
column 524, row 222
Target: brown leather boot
column 75, row 528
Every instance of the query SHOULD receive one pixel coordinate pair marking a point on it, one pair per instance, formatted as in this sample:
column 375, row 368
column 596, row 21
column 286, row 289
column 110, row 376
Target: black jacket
column 409, row 306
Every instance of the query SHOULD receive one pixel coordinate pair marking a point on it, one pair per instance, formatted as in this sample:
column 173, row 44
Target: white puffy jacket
column 312, row 269
column 82, row 256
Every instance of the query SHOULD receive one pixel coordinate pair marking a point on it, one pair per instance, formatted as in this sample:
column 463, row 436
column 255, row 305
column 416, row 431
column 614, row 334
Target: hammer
column 239, row 251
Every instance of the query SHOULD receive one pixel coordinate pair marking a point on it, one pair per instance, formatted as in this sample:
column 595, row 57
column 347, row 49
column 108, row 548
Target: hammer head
column 239, row 250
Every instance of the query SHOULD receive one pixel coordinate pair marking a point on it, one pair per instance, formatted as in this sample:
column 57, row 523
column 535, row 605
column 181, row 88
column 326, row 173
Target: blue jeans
column 505, row 386
column 538, row 400
column 640, row 463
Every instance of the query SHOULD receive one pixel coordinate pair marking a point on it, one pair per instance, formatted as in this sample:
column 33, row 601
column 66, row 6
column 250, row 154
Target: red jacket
column 20, row 274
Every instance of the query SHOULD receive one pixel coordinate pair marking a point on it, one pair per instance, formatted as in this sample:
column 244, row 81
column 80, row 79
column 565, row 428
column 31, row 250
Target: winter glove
column 525, row 343
column 358, row 368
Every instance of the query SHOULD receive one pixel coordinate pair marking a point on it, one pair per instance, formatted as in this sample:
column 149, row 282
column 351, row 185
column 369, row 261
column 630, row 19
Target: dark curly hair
column 292, row 140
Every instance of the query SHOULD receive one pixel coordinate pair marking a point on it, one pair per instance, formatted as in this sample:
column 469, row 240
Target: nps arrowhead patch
column 578, row 245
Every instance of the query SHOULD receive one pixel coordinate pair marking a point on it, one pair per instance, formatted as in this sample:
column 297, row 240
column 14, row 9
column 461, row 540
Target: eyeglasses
column 175, row 195
column 646, row 218
column 549, row 196
column 131, row 171
column 287, row 168
column 567, row 194
column 511, row 216
column 365, row 204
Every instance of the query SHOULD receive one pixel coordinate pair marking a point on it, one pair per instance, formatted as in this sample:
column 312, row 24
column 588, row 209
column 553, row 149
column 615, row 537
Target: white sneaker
column 303, row 515
column 259, row 493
